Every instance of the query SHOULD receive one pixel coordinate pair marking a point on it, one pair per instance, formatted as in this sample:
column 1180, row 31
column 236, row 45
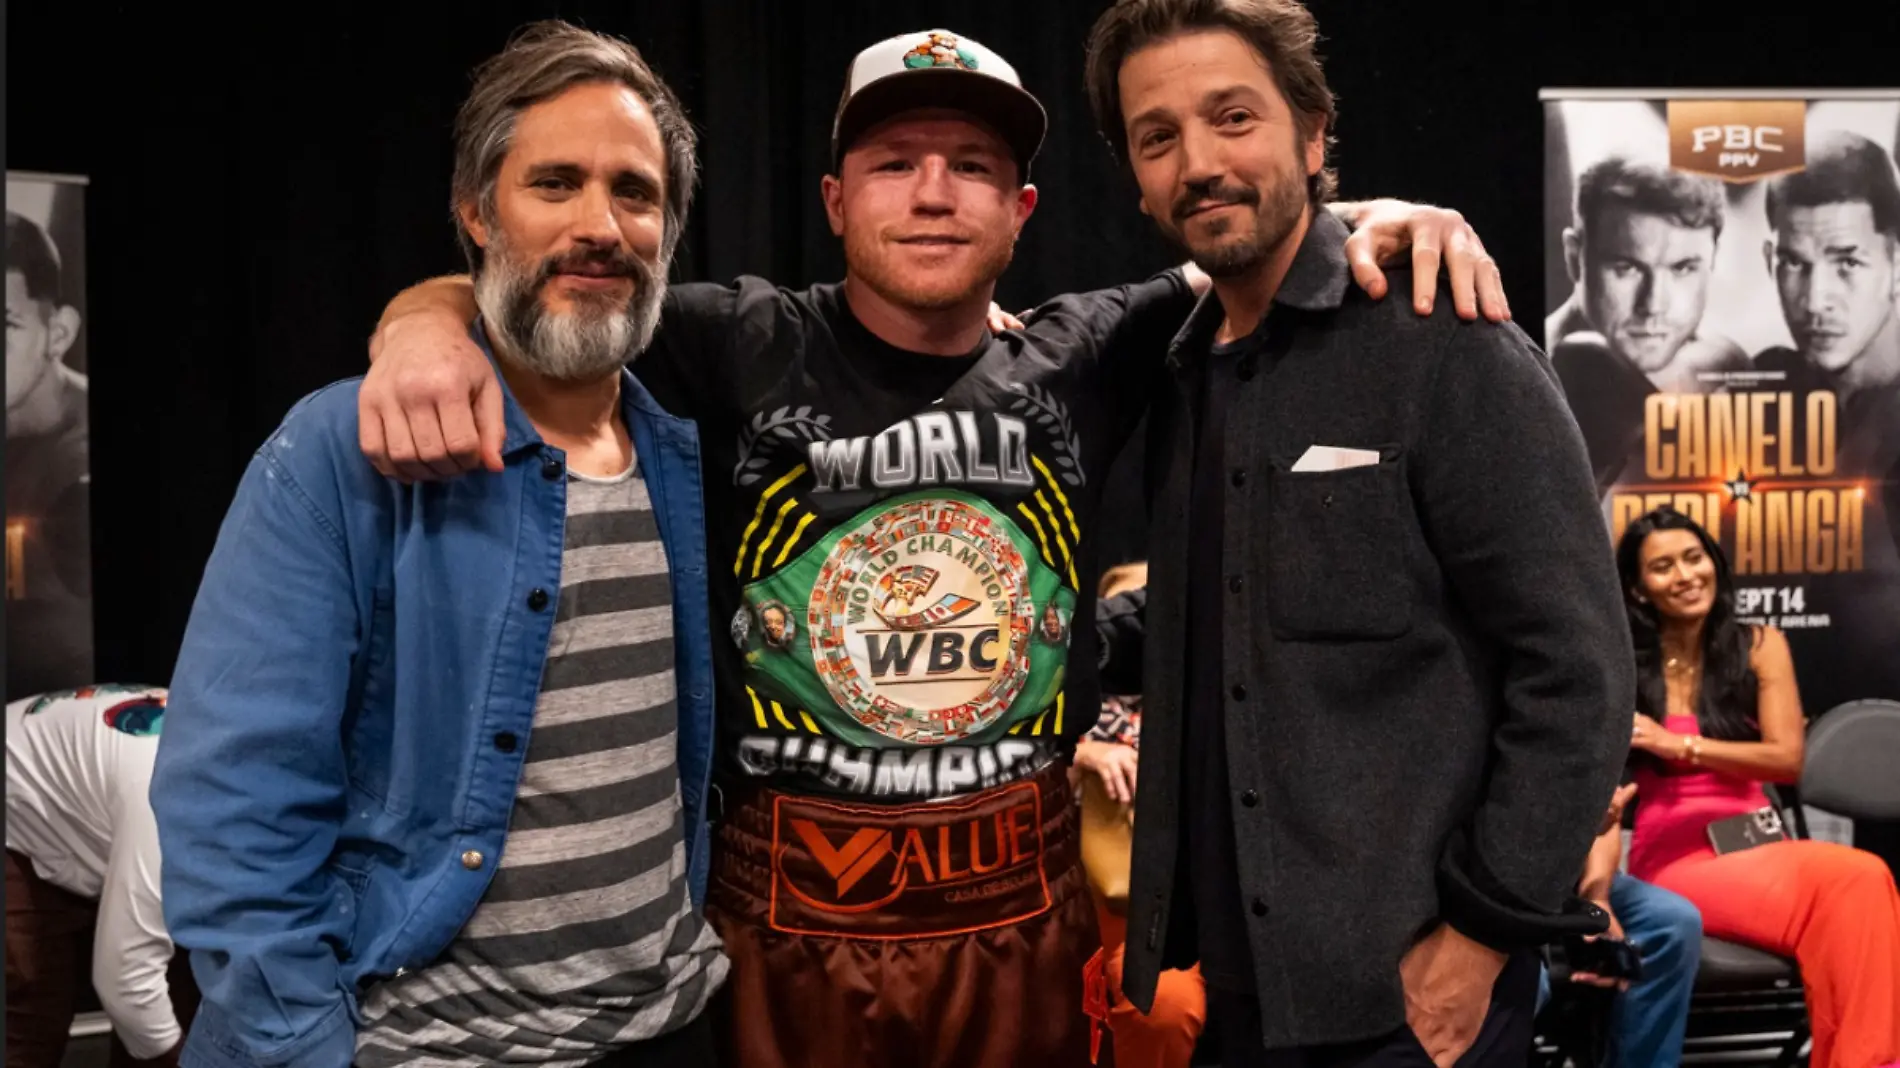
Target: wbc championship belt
column 926, row 619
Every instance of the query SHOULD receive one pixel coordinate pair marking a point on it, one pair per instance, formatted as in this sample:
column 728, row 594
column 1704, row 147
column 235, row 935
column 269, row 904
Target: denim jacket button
column 550, row 469
column 537, row 599
column 472, row 859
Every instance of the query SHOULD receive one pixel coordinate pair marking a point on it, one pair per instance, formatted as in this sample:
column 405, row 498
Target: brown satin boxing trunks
column 943, row 934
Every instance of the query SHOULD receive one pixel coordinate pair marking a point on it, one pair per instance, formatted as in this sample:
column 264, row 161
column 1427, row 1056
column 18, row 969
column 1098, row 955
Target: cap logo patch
column 940, row 50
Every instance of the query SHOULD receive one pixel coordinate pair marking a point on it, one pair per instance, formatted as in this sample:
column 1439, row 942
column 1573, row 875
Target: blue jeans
column 1651, row 1015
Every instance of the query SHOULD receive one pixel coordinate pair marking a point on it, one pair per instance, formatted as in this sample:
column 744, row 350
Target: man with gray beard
column 412, row 818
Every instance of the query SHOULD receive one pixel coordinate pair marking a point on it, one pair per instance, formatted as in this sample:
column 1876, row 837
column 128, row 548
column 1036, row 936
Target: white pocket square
column 1334, row 458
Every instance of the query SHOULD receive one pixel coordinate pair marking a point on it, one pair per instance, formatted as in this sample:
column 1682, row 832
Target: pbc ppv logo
column 1738, row 140
column 911, row 870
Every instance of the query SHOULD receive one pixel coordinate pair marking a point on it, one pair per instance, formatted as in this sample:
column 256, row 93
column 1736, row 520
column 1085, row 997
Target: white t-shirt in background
column 79, row 766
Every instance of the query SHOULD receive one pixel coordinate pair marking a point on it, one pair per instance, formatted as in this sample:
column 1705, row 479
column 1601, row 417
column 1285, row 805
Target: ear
column 1316, row 149
column 831, row 188
column 1893, row 252
column 62, row 329
column 1768, row 256
column 471, row 216
column 1025, row 205
column 1573, row 253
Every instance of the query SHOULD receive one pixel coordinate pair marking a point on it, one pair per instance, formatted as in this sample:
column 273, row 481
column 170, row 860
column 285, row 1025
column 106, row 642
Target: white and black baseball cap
column 937, row 69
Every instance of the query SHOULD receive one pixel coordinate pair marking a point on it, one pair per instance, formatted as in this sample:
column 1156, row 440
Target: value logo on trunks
column 908, row 871
column 920, row 622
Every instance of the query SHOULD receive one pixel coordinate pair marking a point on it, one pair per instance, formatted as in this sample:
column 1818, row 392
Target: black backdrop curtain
column 263, row 180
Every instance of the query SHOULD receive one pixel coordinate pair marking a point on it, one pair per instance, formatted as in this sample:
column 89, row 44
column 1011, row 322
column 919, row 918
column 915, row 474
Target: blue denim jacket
column 331, row 795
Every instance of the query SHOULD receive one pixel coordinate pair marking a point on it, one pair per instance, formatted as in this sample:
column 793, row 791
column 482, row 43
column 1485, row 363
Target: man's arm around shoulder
column 1508, row 505
column 249, row 784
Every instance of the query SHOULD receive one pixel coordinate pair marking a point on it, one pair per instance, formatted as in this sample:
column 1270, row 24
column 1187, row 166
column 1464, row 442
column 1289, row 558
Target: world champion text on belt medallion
column 920, row 621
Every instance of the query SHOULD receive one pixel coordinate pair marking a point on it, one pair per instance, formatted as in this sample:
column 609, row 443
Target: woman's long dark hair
column 1725, row 707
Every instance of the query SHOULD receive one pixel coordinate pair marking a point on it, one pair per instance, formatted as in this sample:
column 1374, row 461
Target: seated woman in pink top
column 1718, row 715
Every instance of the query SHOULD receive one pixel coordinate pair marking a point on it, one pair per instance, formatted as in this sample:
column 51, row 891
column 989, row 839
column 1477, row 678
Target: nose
column 931, row 194
column 1201, row 160
column 1823, row 289
column 1646, row 301
column 594, row 221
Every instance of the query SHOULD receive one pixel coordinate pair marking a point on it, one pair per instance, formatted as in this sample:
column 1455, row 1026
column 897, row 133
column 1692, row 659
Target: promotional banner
column 49, row 541
column 1722, row 273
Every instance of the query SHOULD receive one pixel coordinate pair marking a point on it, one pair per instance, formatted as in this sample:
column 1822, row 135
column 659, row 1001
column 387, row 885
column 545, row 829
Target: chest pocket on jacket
column 1335, row 566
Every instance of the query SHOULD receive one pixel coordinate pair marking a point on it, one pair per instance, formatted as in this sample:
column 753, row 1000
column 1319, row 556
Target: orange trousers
column 1835, row 911
column 1164, row 1038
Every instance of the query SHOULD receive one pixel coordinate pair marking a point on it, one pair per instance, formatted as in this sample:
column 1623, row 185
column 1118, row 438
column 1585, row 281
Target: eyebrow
column 1207, row 103
column 1222, row 96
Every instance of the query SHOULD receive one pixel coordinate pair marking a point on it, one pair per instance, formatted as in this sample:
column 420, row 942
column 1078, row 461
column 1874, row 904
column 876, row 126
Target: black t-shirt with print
column 900, row 542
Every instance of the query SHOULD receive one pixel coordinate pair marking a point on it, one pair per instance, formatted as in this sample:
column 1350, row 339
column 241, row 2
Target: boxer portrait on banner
column 48, row 473
column 1834, row 254
column 1640, row 250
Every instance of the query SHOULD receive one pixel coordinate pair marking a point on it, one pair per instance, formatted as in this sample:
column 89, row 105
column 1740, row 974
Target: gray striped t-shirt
column 586, row 939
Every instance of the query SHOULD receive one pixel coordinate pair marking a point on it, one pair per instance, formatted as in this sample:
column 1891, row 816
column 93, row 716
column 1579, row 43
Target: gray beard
column 582, row 346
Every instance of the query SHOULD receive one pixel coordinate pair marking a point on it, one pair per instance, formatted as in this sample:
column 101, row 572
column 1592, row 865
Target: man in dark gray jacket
column 1388, row 677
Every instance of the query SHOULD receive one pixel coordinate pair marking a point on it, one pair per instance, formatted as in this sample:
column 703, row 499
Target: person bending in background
column 1165, row 1036
column 1652, row 1012
column 1718, row 715
column 82, row 865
